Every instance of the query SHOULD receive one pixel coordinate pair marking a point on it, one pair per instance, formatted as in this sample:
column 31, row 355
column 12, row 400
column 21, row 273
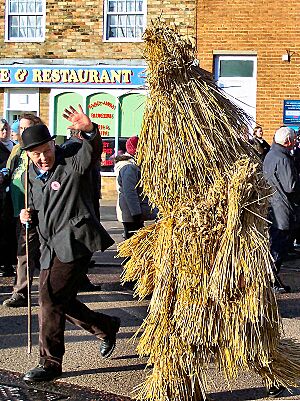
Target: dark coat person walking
column 61, row 202
column 259, row 143
column 280, row 172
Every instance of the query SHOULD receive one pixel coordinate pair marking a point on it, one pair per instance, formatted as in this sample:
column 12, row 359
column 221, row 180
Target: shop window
column 131, row 114
column 124, row 20
column 62, row 102
column 102, row 110
column 25, row 20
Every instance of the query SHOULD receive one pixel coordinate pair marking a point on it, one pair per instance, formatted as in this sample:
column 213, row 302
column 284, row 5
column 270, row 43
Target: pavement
column 89, row 377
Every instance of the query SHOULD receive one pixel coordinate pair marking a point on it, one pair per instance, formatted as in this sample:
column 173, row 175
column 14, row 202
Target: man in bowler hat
column 60, row 202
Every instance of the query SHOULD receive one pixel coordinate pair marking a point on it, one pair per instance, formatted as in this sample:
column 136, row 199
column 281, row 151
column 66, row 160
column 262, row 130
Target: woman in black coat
column 8, row 240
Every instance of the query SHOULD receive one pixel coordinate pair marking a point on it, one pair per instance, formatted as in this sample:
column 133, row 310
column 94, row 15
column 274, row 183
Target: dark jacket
column 67, row 223
column 280, row 172
column 71, row 147
column 128, row 176
column 261, row 146
column 4, row 155
column 131, row 200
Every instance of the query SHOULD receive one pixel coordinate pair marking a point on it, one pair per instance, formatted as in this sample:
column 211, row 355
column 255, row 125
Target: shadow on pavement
column 13, row 388
column 289, row 305
column 111, row 369
column 240, row 395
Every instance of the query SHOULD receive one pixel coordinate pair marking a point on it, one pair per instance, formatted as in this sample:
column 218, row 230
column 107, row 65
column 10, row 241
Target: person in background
column 16, row 166
column 6, row 144
column 61, row 205
column 8, row 239
column 281, row 174
column 15, row 131
column 259, row 143
column 128, row 176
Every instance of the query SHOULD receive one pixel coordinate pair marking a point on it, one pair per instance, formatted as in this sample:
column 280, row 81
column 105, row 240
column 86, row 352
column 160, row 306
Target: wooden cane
column 29, row 339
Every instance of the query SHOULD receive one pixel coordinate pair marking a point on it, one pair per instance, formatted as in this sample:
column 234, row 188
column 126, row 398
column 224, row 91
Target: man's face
column 43, row 156
column 14, row 136
column 259, row 133
column 24, row 123
column 4, row 130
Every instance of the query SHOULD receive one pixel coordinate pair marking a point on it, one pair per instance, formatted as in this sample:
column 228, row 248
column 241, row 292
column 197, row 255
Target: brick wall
column 267, row 27
column 44, row 105
column 74, row 29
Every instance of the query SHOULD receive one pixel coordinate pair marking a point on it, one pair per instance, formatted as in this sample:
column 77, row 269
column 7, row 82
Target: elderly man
column 280, row 172
column 61, row 202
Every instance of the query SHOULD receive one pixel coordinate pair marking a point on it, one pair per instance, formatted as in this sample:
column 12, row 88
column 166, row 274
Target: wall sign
column 291, row 112
column 69, row 76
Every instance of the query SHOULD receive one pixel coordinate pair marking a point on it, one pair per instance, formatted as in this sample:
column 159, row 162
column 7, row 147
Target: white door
column 236, row 75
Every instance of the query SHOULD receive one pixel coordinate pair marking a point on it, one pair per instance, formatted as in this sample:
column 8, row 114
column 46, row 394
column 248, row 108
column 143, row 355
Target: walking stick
column 29, row 340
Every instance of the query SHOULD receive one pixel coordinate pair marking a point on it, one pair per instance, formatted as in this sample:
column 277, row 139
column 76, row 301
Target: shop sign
column 291, row 112
column 69, row 76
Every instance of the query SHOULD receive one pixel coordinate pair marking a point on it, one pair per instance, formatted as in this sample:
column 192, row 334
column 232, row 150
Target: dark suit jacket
column 67, row 224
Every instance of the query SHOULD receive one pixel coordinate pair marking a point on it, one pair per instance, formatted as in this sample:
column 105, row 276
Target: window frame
column 234, row 57
column 24, row 39
column 225, row 83
column 107, row 13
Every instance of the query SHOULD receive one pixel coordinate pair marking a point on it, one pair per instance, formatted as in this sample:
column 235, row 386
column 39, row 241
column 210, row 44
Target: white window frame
column 236, row 80
column 23, row 39
column 106, row 13
column 28, row 101
column 233, row 57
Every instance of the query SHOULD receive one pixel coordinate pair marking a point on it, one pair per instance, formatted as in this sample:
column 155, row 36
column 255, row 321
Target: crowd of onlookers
column 281, row 169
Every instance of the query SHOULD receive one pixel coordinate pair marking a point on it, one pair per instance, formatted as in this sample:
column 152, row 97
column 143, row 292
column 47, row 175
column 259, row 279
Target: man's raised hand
column 78, row 119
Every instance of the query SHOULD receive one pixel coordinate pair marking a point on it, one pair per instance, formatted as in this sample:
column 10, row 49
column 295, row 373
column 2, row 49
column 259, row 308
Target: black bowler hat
column 35, row 135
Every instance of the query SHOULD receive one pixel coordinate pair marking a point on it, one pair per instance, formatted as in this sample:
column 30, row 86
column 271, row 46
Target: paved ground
column 88, row 377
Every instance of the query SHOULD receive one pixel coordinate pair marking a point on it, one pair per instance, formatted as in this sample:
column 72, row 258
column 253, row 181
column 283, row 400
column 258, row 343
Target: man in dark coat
column 280, row 172
column 61, row 201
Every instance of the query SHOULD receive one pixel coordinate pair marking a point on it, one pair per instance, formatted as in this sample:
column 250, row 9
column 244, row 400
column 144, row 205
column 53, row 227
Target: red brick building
column 253, row 49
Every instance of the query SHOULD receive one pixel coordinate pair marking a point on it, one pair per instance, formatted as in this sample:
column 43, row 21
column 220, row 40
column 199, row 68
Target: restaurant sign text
column 62, row 76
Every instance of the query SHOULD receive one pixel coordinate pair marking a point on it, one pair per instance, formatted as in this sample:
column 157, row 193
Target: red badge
column 55, row 185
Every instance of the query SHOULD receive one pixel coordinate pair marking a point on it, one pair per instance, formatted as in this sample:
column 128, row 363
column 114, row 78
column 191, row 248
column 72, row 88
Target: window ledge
column 24, row 40
column 123, row 40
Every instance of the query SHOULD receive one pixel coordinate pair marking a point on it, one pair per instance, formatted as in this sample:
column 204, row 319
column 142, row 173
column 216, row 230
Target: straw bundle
column 206, row 261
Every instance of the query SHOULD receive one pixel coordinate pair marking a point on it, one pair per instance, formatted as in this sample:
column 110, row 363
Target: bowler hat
column 35, row 135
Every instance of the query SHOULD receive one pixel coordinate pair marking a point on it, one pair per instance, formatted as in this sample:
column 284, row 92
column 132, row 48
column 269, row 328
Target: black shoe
column 87, row 286
column 15, row 301
column 278, row 290
column 109, row 342
column 275, row 391
column 43, row 374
